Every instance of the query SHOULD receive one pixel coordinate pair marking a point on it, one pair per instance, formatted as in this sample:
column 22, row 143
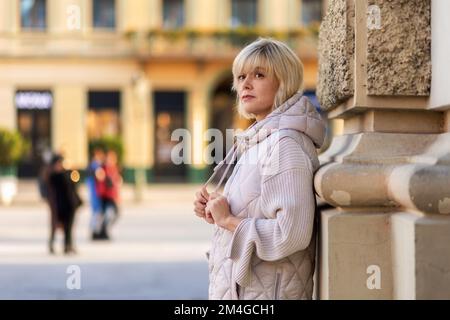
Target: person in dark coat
column 63, row 200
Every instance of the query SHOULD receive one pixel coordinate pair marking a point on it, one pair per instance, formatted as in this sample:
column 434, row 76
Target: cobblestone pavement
column 157, row 252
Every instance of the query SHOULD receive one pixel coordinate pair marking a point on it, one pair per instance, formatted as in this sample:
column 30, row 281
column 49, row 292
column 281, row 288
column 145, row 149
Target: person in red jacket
column 108, row 181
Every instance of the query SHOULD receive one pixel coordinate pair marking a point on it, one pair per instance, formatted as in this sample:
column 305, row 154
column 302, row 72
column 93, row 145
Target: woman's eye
column 259, row 75
column 241, row 77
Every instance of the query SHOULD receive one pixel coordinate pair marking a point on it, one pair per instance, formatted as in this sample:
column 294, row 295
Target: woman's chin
column 250, row 110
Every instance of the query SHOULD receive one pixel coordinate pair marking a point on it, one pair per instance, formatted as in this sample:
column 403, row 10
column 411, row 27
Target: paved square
column 157, row 252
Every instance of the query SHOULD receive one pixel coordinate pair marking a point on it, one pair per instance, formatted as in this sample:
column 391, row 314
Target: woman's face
column 257, row 90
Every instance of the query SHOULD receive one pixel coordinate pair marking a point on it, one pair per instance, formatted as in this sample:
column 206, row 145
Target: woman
column 263, row 246
column 107, row 186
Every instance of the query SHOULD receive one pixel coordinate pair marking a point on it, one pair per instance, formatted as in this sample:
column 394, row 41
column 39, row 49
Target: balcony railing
column 157, row 43
column 216, row 43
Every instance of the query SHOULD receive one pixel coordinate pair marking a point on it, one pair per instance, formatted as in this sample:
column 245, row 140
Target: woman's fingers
column 199, row 213
column 199, row 196
column 204, row 193
column 214, row 195
column 200, row 207
column 209, row 219
column 208, row 216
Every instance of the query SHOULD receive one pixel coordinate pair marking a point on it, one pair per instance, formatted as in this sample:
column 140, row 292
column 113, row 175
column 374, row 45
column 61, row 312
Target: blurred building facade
column 75, row 70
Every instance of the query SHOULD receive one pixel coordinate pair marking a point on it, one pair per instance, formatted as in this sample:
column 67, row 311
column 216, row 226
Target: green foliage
column 108, row 143
column 12, row 147
column 237, row 36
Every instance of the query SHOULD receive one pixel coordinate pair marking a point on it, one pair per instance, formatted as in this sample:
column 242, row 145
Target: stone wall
column 388, row 176
column 398, row 54
column 383, row 51
column 336, row 51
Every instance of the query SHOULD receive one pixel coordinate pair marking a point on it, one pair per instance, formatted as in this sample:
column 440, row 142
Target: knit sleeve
column 287, row 199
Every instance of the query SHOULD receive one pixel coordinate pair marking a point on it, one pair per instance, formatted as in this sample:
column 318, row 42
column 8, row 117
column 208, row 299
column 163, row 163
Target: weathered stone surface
column 432, row 258
column 356, row 250
column 389, row 174
column 420, row 259
column 399, row 53
column 385, row 170
column 336, row 54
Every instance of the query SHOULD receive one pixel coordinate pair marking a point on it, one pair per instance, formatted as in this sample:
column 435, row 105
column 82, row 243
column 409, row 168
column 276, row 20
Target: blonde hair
column 278, row 60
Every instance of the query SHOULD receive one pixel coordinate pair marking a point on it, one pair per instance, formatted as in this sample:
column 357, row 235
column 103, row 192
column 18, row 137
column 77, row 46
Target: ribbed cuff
column 239, row 235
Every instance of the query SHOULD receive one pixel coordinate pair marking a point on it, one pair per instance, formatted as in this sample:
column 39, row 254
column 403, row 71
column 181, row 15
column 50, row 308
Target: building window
column 173, row 14
column 170, row 114
column 244, row 13
column 311, row 11
column 34, row 124
column 105, row 14
column 103, row 114
column 33, row 14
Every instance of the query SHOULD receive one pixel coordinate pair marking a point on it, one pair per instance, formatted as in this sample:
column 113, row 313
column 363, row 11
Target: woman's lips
column 247, row 97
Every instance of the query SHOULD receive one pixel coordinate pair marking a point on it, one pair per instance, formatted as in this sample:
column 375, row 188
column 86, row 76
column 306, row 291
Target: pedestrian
column 63, row 200
column 108, row 185
column 263, row 245
column 98, row 158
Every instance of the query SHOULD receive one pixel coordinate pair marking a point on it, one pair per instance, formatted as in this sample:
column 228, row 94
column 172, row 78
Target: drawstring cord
column 233, row 151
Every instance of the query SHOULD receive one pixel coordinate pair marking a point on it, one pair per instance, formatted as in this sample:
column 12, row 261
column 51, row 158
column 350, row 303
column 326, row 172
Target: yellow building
column 75, row 70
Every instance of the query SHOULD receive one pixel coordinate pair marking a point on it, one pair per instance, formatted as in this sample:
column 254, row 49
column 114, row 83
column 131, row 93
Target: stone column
column 388, row 175
column 8, row 114
column 9, row 11
column 197, row 119
column 137, row 130
column 69, row 136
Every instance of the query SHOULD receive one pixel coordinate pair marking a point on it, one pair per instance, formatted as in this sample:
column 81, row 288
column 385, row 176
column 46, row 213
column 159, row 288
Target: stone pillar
column 137, row 132
column 7, row 108
column 9, row 12
column 138, row 15
column 70, row 137
column 156, row 7
column 388, row 175
column 198, row 123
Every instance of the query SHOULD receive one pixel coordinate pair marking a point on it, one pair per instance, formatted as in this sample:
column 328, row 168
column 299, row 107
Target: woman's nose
column 247, row 83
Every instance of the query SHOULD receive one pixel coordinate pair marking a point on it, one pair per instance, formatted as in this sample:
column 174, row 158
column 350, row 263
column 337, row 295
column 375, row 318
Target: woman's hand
column 201, row 198
column 219, row 208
